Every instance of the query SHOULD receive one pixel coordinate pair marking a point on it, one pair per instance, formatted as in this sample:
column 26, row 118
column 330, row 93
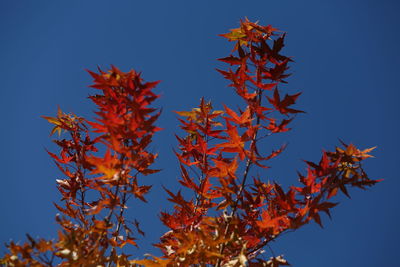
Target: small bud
column 65, row 252
column 14, row 257
column 74, row 255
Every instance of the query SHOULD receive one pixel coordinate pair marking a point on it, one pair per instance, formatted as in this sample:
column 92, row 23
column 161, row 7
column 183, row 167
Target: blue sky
column 346, row 63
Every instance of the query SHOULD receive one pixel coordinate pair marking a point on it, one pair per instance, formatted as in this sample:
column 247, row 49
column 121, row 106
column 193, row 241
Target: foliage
column 233, row 214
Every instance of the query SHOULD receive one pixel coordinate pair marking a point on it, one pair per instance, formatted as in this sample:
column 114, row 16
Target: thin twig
column 245, row 175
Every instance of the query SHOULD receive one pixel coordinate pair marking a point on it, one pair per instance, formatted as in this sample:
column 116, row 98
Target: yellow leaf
column 157, row 262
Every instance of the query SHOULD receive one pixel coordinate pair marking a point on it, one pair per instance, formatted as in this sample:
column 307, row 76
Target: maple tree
column 234, row 212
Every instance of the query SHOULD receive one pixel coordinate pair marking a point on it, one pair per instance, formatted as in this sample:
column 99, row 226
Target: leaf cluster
column 234, row 211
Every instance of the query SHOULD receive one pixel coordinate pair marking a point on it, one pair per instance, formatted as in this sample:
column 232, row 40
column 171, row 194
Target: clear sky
column 346, row 56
